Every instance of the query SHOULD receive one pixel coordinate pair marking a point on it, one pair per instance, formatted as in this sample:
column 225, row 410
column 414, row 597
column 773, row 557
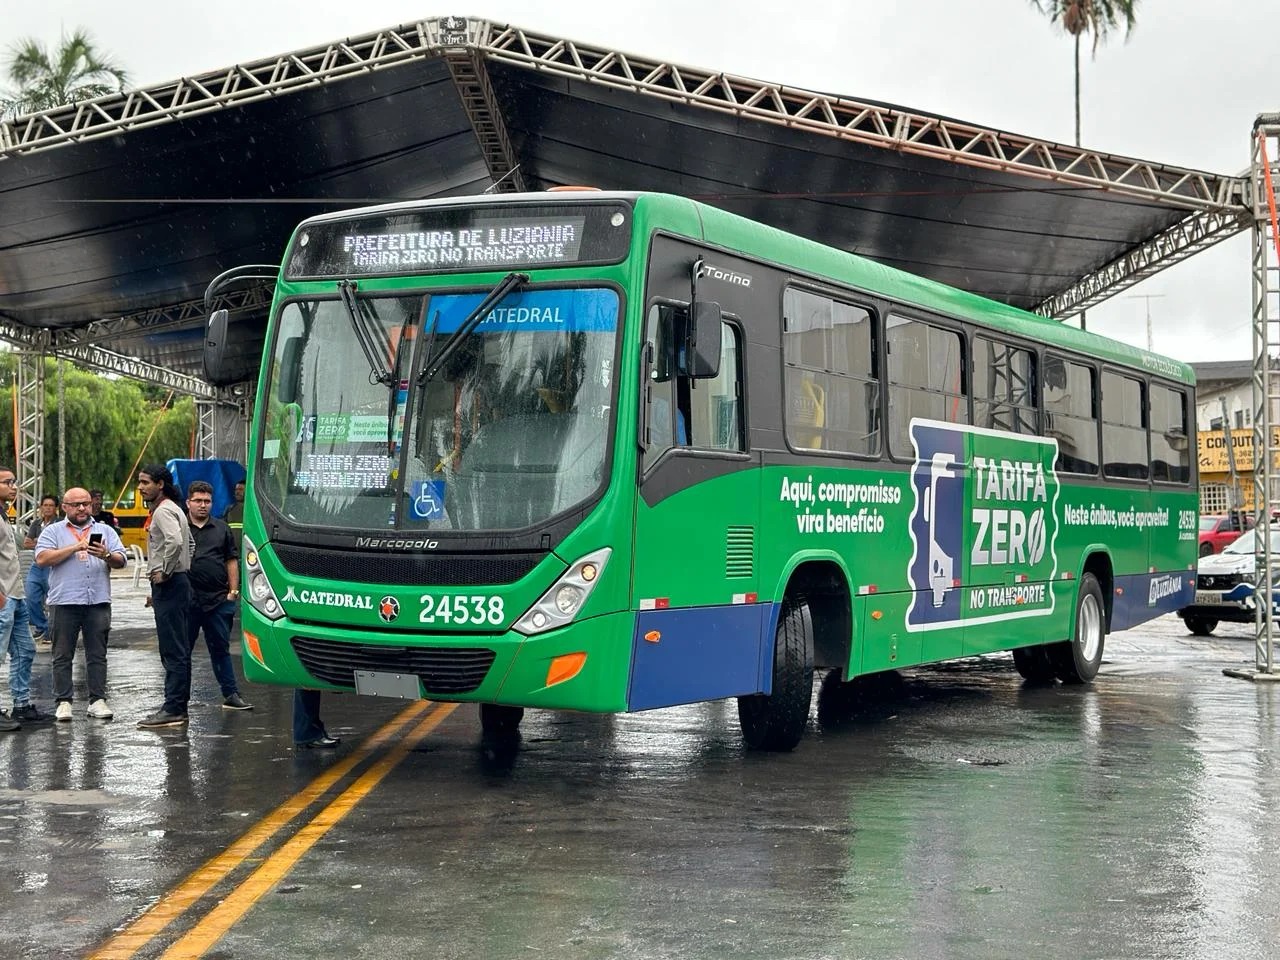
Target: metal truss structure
column 1265, row 183
column 29, row 432
column 1216, row 207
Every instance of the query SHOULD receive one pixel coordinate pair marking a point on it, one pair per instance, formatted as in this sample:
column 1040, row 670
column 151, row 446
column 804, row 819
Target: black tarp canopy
column 115, row 215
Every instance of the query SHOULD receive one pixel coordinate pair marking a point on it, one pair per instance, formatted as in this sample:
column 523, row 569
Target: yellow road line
column 177, row 901
column 205, row 934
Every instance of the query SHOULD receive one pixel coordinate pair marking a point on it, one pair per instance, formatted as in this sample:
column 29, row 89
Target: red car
column 1219, row 529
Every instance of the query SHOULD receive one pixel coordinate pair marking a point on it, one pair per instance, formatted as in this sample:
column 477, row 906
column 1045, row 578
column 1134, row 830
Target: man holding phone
column 79, row 554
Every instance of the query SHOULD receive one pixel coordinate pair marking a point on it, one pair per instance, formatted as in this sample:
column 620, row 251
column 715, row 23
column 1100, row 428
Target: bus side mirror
column 227, row 357
column 707, row 333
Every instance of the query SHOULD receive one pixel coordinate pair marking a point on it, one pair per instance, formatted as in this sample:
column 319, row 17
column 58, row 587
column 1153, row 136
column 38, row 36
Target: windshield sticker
column 563, row 311
column 996, row 493
column 426, row 500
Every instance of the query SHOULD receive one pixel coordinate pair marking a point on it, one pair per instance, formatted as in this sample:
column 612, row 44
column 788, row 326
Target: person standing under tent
column 169, row 549
column 37, row 577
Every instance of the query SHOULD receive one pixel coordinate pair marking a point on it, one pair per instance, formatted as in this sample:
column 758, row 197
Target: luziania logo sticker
column 985, row 515
column 388, row 609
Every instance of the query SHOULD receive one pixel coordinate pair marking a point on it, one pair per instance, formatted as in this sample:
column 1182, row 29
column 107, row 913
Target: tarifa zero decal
column 985, row 516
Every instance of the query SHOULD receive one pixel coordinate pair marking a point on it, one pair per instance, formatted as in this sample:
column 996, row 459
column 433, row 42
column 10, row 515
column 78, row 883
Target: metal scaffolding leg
column 222, row 427
column 30, row 433
column 1265, row 180
column 206, row 430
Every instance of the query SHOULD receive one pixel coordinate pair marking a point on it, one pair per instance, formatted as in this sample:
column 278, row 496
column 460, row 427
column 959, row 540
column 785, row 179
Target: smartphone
column 95, row 538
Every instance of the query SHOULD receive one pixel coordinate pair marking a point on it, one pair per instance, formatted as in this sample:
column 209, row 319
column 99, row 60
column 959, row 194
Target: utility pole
column 1147, row 297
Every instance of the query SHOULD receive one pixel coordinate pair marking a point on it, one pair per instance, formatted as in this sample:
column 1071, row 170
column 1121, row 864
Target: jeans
column 216, row 624
column 92, row 622
column 15, row 636
column 171, row 600
column 37, row 588
column 307, row 725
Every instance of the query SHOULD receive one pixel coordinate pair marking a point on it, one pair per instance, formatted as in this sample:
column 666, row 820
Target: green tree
column 109, row 427
column 1095, row 17
column 44, row 78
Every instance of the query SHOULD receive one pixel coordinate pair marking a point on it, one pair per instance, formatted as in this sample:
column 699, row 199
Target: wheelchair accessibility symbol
column 428, row 500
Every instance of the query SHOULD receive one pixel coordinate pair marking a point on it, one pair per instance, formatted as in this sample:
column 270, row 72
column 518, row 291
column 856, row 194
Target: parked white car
column 1225, row 582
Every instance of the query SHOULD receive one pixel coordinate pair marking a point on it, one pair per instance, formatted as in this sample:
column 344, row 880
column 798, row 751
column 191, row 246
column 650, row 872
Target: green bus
column 617, row 451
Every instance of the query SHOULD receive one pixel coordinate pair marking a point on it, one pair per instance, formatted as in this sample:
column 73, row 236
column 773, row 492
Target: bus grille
column 441, row 669
column 438, row 569
column 1221, row 581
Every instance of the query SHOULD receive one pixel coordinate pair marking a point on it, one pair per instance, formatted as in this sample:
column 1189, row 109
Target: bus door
column 698, row 626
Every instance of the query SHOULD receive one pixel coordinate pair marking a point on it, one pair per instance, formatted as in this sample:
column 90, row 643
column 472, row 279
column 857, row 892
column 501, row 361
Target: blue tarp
column 222, row 475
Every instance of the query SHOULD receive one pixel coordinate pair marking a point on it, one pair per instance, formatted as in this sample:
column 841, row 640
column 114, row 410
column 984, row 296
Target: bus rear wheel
column 1034, row 664
column 776, row 721
column 497, row 719
column 1077, row 660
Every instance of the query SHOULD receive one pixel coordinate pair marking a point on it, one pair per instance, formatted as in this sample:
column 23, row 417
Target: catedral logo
column 983, row 528
column 328, row 598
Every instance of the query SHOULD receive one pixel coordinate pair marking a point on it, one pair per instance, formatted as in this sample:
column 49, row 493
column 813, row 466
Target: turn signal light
column 565, row 667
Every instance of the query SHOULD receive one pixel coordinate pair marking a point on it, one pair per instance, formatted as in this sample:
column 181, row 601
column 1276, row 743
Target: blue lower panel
column 1144, row 596
column 700, row 654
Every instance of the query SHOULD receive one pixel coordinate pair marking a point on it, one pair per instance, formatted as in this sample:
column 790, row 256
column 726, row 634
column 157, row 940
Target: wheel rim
column 1090, row 627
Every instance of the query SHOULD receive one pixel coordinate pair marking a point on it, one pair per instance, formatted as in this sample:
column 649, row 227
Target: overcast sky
column 1184, row 89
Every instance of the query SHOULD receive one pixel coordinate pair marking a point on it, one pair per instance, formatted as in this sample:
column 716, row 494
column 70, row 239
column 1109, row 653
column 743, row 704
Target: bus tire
column 1077, row 660
column 776, row 721
column 498, row 719
column 1200, row 626
column 1034, row 664
column 837, row 700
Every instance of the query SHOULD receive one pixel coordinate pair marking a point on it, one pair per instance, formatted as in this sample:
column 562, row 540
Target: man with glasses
column 215, row 589
column 80, row 555
column 15, row 634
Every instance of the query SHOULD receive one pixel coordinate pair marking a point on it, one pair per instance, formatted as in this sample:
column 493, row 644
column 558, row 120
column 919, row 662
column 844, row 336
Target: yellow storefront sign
column 1212, row 446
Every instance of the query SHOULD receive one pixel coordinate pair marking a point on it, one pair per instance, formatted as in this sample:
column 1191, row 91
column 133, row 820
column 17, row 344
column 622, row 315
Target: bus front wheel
column 1077, row 660
column 1200, row 626
column 499, row 719
column 776, row 721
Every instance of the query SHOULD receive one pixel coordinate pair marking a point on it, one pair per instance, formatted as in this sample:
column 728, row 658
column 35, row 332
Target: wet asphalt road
column 965, row 816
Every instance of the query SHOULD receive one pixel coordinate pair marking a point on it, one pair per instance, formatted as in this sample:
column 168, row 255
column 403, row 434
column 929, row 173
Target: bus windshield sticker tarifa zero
column 985, row 516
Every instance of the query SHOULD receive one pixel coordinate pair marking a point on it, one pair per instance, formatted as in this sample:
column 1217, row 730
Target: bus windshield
column 509, row 431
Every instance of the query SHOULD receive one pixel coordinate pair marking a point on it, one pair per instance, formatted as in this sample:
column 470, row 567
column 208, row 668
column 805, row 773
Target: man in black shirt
column 215, row 589
column 100, row 515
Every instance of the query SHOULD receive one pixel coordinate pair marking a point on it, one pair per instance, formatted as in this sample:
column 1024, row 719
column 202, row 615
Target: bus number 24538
column 461, row 610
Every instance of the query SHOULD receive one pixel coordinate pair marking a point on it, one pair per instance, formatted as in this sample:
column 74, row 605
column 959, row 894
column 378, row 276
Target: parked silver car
column 1225, row 584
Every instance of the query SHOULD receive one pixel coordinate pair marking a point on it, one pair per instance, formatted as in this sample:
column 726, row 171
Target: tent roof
column 119, row 211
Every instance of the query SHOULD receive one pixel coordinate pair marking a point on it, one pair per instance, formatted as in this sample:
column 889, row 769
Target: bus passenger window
column 1124, row 427
column 1170, row 443
column 1071, row 413
column 832, row 390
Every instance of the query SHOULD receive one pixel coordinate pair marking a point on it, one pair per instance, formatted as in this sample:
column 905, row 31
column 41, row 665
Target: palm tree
column 45, row 78
column 1096, row 17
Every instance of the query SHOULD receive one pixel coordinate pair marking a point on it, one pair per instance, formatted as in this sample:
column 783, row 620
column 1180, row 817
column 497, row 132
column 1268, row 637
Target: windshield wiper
column 364, row 329
column 512, row 281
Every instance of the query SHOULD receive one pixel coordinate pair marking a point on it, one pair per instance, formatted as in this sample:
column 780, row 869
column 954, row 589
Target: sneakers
column 162, row 718
column 30, row 713
column 7, row 723
column 99, row 710
column 236, row 702
column 64, row 710
column 40, row 637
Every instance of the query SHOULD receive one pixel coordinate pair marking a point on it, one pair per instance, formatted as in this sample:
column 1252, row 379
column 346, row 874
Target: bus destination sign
column 440, row 240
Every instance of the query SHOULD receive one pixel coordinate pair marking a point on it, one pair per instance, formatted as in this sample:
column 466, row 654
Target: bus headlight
column 567, row 595
column 260, row 594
